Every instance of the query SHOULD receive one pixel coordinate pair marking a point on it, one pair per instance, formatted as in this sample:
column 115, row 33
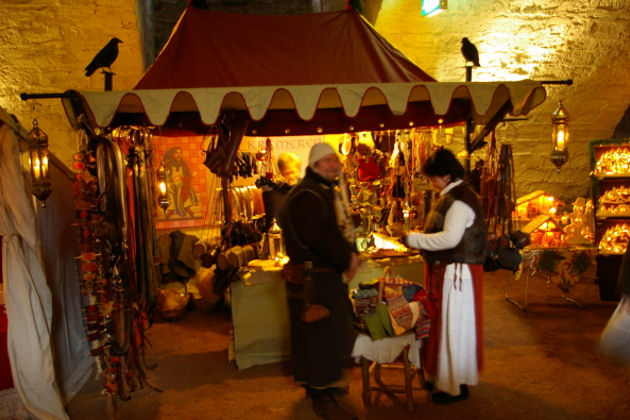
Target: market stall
column 218, row 79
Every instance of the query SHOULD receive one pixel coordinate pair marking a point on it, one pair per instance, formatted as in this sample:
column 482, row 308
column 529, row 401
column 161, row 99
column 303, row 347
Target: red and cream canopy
column 302, row 74
column 333, row 108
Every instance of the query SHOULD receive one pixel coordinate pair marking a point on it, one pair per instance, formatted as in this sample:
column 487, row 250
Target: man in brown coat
column 313, row 233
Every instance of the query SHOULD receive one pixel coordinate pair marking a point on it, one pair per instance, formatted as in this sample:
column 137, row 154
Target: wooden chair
column 373, row 369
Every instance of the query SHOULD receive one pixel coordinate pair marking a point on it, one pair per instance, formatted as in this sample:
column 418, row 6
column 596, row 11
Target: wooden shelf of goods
column 610, row 178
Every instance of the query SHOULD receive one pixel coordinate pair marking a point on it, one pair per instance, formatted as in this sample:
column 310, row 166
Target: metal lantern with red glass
column 38, row 161
column 559, row 136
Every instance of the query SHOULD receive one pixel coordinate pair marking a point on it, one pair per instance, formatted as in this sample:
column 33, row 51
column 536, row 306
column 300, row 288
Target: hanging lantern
column 559, row 136
column 38, row 161
column 162, row 187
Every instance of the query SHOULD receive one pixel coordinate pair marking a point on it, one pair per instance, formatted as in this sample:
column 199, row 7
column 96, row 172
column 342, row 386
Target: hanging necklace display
column 115, row 314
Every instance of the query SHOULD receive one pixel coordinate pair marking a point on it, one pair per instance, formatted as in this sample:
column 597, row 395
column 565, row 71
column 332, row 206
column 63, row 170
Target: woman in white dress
column 453, row 243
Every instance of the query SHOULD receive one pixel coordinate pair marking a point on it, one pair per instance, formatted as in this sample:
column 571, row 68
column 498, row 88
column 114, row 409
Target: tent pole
column 227, row 208
column 233, row 128
column 468, row 128
column 477, row 142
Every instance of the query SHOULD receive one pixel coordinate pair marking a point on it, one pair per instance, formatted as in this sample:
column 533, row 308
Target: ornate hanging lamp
column 559, row 136
column 38, row 162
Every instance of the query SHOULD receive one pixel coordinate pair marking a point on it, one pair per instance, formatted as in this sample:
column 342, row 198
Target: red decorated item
column 368, row 169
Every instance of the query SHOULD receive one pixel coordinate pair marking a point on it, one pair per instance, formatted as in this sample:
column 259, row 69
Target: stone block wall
column 531, row 39
column 44, row 47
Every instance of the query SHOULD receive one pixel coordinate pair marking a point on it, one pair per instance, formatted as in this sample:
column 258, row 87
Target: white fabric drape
column 457, row 357
column 28, row 298
column 457, row 360
column 387, row 349
column 71, row 350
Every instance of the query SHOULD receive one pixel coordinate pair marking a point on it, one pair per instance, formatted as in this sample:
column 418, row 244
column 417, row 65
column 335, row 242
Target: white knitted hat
column 318, row 151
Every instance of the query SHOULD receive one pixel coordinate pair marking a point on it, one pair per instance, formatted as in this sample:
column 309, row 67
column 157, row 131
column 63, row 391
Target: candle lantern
column 559, row 136
column 162, row 187
column 38, row 162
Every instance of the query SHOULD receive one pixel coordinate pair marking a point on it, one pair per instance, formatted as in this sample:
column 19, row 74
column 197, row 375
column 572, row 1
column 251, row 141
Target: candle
column 560, row 142
column 36, row 166
column 44, row 166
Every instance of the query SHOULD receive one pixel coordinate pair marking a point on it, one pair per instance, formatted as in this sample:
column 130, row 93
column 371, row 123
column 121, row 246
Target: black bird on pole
column 470, row 53
column 104, row 58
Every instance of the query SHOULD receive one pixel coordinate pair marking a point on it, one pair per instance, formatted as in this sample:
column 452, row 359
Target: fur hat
column 318, row 151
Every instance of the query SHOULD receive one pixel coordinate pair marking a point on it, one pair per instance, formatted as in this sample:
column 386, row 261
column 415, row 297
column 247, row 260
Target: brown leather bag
column 312, row 312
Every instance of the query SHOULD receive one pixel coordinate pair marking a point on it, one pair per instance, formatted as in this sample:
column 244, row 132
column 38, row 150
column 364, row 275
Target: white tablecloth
column 386, row 350
column 260, row 317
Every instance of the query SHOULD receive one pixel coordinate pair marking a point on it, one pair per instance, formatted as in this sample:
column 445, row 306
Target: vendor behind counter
column 275, row 192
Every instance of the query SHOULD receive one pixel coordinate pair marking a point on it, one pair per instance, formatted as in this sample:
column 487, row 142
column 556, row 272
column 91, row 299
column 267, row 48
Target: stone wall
column 517, row 39
column 531, row 39
column 44, row 48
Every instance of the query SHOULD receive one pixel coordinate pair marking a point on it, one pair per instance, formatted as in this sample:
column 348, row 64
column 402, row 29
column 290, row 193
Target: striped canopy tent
column 317, row 73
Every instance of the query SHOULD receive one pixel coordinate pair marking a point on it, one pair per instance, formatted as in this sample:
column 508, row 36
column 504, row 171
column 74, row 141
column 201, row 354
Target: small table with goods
column 562, row 267
column 392, row 314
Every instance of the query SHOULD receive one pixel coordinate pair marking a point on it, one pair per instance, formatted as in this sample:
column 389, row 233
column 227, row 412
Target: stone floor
column 541, row 363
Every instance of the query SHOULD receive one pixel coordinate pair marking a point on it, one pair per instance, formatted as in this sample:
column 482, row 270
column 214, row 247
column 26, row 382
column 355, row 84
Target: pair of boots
column 326, row 406
column 440, row 397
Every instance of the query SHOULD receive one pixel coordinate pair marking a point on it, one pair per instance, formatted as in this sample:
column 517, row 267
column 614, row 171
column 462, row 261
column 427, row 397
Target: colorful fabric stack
column 392, row 306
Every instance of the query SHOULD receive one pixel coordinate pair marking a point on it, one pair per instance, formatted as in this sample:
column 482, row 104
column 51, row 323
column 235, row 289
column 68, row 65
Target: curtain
column 72, row 358
column 27, row 296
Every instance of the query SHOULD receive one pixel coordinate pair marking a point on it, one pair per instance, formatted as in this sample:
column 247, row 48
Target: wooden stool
column 410, row 371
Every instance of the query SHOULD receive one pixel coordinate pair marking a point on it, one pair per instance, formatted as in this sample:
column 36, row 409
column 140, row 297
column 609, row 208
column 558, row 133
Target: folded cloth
column 401, row 312
column 387, row 349
column 415, row 311
column 379, row 324
column 410, row 290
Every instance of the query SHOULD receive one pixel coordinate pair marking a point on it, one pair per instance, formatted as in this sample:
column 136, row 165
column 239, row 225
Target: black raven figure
column 105, row 57
column 470, row 53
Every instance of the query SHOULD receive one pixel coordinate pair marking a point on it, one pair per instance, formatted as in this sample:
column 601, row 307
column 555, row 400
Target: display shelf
column 610, row 178
column 606, row 224
column 611, row 197
column 604, row 214
column 611, row 160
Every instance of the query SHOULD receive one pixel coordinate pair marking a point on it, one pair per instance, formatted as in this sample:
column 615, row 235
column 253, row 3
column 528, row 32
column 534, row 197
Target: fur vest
column 472, row 248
